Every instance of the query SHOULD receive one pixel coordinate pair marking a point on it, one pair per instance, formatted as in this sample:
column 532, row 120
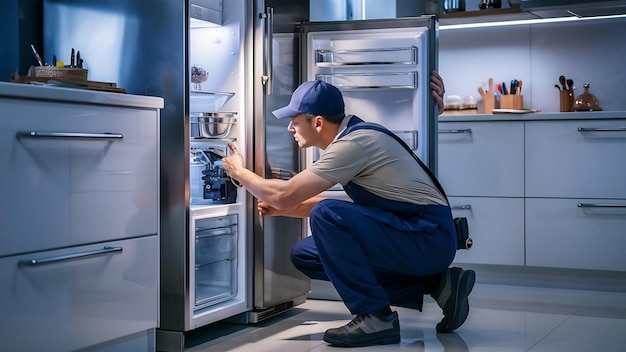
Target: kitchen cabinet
column 567, row 205
column 482, row 158
column 78, row 219
column 576, row 159
column 481, row 167
column 576, row 194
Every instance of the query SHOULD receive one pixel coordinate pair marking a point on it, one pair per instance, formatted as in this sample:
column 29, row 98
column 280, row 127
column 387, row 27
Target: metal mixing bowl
column 215, row 124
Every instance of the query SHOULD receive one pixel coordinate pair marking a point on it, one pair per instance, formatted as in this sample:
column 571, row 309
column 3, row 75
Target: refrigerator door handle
column 268, row 60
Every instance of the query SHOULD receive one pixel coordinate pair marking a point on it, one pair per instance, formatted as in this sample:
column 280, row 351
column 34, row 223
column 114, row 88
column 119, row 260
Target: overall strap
column 356, row 123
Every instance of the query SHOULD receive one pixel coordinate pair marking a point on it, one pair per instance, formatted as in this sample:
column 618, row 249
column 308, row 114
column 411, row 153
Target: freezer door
column 382, row 68
column 276, row 75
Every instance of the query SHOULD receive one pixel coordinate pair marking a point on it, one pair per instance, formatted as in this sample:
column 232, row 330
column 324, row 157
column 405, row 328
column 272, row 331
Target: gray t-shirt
column 378, row 163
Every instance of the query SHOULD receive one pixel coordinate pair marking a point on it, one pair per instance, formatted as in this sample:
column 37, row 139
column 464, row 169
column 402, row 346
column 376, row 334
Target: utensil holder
column 566, row 99
column 512, row 101
column 489, row 102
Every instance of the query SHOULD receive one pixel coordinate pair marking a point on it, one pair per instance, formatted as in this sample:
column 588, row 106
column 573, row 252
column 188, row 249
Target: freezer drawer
column 215, row 282
column 69, row 304
column 86, row 173
column 215, row 267
column 215, row 245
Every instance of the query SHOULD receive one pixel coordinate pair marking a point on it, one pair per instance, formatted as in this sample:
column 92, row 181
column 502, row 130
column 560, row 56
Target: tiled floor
column 502, row 319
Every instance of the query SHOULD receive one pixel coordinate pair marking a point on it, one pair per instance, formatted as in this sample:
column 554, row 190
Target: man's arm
column 301, row 210
column 280, row 194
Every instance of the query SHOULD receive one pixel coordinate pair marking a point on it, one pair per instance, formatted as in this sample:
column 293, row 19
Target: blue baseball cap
column 313, row 97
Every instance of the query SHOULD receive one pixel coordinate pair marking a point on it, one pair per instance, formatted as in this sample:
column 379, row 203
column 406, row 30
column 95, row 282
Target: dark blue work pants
column 371, row 264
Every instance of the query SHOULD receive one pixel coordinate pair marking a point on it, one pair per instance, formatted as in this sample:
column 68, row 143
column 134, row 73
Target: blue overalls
column 376, row 252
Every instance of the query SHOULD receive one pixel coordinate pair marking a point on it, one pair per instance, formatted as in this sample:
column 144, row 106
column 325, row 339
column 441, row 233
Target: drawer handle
column 74, row 135
column 466, row 206
column 62, row 258
column 607, row 129
column 456, row 131
column 603, row 205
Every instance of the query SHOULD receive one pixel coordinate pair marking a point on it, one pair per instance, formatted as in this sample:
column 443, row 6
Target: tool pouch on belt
column 463, row 239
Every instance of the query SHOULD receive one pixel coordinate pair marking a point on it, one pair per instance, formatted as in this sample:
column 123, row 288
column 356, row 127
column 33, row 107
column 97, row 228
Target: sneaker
column 366, row 330
column 451, row 296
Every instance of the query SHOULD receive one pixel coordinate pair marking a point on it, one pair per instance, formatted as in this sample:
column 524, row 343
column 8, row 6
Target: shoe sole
column 383, row 341
column 460, row 303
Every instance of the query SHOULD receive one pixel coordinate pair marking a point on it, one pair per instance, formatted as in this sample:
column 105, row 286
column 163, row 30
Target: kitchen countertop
column 580, row 115
column 61, row 94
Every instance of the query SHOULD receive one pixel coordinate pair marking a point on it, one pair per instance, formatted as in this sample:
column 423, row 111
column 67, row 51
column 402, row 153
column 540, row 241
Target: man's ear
column 319, row 121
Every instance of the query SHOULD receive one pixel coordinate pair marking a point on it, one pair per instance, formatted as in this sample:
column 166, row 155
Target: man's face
column 304, row 132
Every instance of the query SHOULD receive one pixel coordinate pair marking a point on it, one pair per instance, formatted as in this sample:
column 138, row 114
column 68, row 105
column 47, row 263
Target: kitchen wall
column 20, row 25
column 590, row 51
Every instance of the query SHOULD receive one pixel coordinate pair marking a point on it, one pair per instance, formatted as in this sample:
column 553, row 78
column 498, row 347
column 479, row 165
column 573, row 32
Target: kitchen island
column 79, row 217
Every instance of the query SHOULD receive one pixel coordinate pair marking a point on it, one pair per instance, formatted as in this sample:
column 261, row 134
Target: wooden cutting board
column 91, row 85
column 514, row 111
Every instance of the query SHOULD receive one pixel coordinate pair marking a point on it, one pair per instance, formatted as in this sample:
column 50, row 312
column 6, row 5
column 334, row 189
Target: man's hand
column 437, row 90
column 266, row 209
column 233, row 163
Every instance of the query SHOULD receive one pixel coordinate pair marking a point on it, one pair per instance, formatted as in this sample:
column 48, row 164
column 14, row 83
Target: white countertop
column 60, row 94
column 579, row 115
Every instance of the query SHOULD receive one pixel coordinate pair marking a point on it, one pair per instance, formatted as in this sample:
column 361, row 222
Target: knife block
column 511, row 101
column 566, row 99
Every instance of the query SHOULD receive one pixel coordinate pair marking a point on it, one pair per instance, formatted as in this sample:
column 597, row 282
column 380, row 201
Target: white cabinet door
column 576, row 233
column 576, row 159
column 496, row 226
column 482, row 158
column 68, row 304
column 63, row 184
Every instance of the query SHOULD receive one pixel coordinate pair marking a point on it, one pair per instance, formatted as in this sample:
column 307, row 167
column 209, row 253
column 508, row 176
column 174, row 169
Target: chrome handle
column 71, row 135
column 601, row 205
column 326, row 57
column 602, row 129
column 268, row 77
column 468, row 131
column 62, row 258
column 465, row 207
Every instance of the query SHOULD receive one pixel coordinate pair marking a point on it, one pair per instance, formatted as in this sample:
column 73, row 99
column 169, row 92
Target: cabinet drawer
column 81, row 188
column 482, row 158
column 576, row 159
column 66, row 305
column 496, row 226
column 560, row 233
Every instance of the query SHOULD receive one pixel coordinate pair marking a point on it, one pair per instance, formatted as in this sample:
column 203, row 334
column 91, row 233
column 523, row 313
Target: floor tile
column 502, row 319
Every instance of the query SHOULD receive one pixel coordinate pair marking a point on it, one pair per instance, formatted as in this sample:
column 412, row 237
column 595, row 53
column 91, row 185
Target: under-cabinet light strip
column 522, row 22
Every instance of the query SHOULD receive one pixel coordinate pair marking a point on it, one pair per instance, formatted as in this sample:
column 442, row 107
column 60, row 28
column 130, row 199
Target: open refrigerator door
column 382, row 68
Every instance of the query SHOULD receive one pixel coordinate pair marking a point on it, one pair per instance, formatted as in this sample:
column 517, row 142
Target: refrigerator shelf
column 361, row 57
column 391, row 80
column 208, row 101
